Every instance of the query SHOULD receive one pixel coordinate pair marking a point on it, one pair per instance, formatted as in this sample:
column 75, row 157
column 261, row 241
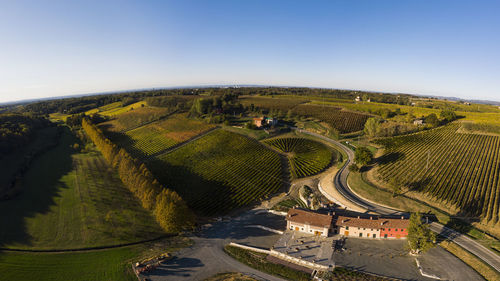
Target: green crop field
column 96, row 265
column 220, row 171
column 307, row 157
column 159, row 136
column 73, row 200
column 452, row 167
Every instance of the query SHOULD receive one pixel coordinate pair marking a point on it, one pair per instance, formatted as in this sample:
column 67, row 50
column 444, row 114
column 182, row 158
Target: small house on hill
column 418, row 122
column 263, row 121
column 372, row 227
column 309, row 222
column 258, row 121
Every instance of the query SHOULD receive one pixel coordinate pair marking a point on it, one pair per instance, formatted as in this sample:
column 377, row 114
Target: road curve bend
column 340, row 183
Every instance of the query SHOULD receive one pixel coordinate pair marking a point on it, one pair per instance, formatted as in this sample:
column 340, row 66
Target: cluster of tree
column 378, row 127
column 17, row 130
column 174, row 102
column 363, row 156
column 75, row 120
column 169, row 209
column 218, row 105
column 420, row 238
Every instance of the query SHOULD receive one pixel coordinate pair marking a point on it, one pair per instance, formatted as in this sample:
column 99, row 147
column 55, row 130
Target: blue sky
column 51, row 48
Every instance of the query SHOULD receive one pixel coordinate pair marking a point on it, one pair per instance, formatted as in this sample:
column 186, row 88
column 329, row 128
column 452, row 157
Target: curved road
column 340, row 183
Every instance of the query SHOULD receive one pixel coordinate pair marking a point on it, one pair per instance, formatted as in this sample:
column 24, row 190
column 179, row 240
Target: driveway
column 206, row 256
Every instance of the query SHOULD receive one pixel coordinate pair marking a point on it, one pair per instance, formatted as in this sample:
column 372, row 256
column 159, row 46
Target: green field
column 135, row 118
column 307, row 157
column 220, row 171
column 159, row 136
column 461, row 170
column 73, row 200
column 110, row 265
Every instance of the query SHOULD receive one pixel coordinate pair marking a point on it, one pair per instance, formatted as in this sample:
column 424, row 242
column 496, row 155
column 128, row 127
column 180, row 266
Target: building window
column 346, row 228
column 389, row 229
column 360, row 234
column 358, row 228
column 385, row 235
column 374, row 235
column 364, row 228
column 302, row 228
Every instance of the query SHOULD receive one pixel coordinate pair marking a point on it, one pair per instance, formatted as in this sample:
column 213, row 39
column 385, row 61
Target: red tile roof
column 374, row 223
column 394, row 223
column 310, row 218
column 358, row 222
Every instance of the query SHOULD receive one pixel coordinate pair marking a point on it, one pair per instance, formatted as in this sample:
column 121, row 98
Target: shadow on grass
column 388, row 158
column 41, row 185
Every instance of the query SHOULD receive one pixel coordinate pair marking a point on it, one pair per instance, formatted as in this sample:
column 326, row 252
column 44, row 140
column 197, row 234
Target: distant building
column 418, row 122
column 369, row 100
column 271, row 121
column 258, row 121
column 309, row 222
column 358, row 98
column 262, row 121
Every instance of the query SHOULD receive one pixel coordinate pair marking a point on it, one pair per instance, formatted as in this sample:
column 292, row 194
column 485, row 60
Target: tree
column 448, row 115
column 354, row 168
column 432, row 120
column 363, row 156
column 420, row 237
column 372, row 126
column 395, row 186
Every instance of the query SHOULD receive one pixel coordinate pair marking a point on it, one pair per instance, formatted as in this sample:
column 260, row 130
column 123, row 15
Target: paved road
column 206, row 256
column 465, row 242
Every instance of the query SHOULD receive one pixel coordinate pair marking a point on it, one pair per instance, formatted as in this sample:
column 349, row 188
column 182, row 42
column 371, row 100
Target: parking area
column 311, row 248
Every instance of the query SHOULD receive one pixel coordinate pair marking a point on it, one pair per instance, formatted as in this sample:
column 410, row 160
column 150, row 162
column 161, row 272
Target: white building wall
column 357, row 231
column 305, row 228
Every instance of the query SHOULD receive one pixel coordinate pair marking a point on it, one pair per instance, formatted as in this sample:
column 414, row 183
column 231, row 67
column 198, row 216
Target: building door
column 374, row 235
column 385, row 235
column 346, row 233
column 361, row 235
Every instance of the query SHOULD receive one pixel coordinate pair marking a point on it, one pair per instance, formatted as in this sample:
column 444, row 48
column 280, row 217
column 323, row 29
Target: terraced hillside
column 159, row 136
column 307, row 157
column 460, row 169
column 220, row 171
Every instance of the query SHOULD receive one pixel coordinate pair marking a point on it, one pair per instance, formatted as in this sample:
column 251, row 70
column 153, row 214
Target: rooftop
column 309, row 217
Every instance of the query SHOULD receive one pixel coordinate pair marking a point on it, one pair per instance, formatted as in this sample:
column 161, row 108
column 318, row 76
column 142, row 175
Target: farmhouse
column 262, row 121
column 418, row 122
column 358, row 227
column 258, row 121
column 309, row 222
column 351, row 226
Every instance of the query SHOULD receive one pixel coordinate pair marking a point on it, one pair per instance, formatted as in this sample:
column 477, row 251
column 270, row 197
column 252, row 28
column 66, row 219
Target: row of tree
column 169, row 209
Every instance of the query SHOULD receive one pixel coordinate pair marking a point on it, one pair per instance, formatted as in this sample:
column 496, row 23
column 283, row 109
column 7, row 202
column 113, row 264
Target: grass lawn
column 109, row 265
column 73, row 200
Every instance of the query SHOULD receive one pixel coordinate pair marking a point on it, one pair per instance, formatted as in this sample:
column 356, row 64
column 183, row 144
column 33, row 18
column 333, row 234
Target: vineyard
column 342, row 120
column 159, row 136
column 307, row 157
column 220, row 171
column 451, row 167
column 135, row 118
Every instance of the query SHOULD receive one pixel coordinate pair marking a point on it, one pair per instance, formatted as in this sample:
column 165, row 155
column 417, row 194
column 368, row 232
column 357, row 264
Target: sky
column 438, row 47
